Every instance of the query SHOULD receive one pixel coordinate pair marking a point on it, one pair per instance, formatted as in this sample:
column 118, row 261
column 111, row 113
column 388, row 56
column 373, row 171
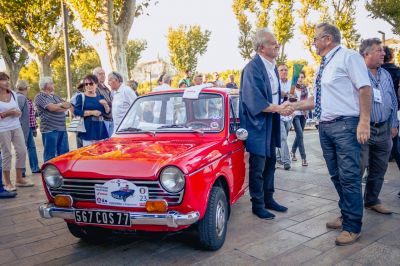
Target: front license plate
column 103, row 217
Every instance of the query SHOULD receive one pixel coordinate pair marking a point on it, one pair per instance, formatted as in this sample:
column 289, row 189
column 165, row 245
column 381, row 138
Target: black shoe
column 36, row 172
column 273, row 205
column 263, row 214
column 398, row 194
column 286, row 166
column 7, row 194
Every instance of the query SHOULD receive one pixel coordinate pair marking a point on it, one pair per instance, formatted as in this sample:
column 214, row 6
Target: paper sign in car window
column 194, row 91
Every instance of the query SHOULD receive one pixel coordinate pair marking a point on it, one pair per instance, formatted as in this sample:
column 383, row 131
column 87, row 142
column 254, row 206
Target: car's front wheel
column 88, row 234
column 213, row 226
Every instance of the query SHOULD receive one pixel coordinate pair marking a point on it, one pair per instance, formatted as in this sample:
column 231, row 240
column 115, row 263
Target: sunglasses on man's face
column 89, row 84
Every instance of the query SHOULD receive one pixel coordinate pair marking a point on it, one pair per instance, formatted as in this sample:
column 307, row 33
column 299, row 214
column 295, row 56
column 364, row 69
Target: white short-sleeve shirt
column 341, row 80
column 122, row 100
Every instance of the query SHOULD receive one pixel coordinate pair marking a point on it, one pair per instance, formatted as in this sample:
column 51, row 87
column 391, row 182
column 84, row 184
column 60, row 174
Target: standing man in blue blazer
column 260, row 116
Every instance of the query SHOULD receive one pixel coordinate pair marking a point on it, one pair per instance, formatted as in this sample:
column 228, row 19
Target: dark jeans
column 299, row 122
column 341, row 151
column 375, row 154
column 55, row 143
column 396, row 150
column 261, row 177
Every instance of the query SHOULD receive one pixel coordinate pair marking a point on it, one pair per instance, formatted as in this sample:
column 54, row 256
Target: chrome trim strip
column 170, row 219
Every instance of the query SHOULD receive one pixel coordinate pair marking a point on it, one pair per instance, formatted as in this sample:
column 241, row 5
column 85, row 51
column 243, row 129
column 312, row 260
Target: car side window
column 233, row 114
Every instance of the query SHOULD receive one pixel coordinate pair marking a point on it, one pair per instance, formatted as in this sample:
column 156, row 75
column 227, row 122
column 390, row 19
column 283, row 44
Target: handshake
column 286, row 108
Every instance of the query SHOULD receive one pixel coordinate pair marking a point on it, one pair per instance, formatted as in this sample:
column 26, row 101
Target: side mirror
column 242, row 134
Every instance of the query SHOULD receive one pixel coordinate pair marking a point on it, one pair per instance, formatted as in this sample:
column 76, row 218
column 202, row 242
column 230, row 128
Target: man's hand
column 285, row 109
column 363, row 132
column 394, row 131
column 65, row 105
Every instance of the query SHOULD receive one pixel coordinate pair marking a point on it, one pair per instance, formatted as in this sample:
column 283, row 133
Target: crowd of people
column 356, row 102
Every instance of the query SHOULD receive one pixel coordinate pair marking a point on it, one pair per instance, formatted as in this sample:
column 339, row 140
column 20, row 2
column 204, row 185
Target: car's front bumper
column 170, row 219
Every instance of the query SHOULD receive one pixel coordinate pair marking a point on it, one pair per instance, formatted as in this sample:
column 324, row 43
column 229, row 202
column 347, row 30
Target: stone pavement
column 296, row 237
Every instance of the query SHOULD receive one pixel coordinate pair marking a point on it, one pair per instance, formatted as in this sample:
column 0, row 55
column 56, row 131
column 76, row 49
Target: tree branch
column 3, row 48
column 127, row 16
column 20, row 40
column 54, row 48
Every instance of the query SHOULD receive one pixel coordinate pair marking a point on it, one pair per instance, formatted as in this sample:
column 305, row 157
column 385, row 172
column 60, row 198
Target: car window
column 233, row 113
column 171, row 112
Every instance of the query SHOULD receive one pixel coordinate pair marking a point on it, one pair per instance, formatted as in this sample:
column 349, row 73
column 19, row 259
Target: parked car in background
column 174, row 161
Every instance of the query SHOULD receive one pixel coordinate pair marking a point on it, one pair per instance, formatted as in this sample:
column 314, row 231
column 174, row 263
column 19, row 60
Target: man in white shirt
column 123, row 97
column 165, row 84
column 282, row 154
column 343, row 105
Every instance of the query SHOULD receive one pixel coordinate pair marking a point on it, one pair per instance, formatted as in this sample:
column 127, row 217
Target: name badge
column 377, row 96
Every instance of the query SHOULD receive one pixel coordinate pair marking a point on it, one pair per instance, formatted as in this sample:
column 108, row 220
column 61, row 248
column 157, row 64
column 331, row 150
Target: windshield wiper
column 182, row 126
column 135, row 129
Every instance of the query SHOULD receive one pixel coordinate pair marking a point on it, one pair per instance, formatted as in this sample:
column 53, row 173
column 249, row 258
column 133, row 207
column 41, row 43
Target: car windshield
column 170, row 112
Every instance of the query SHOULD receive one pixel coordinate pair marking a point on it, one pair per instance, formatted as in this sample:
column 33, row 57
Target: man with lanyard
column 375, row 154
column 103, row 90
column 259, row 112
column 343, row 106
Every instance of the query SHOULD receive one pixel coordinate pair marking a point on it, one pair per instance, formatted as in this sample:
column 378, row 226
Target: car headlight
column 172, row 179
column 52, row 176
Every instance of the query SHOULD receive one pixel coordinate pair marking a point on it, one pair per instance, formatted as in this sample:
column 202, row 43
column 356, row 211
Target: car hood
column 128, row 158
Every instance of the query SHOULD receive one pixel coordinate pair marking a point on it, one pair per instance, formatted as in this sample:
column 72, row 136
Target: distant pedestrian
column 52, row 112
column 384, row 123
column 259, row 105
column 231, row 84
column 299, row 121
column 103, row 90
column 198, row 79
column 217, row 82
column 11, row 135
column 28, row 124
column 282, row 153
column 92, row 107
column 123, row 97
column 79, row 90
column 165, row 83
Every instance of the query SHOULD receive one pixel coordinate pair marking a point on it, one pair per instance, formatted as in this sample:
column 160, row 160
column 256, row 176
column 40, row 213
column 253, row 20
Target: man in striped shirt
column 375, row 153
column 52, row 110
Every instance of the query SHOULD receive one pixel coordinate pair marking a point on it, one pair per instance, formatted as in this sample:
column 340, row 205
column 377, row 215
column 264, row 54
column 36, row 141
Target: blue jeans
column 282, row 153
column 31, row 147
column 299, row 122
column 110, row 127
column 55, row 143
column 1, row 175
column 342, row 155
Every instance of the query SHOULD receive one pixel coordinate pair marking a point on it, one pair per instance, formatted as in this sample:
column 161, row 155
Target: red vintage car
column 176, row 159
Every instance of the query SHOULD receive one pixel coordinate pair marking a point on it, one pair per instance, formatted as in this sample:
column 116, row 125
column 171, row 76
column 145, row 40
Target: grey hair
column 44, row 81
column 97, row 70
column 366, row 45
column 331, row 30
column 21, row 85
column 166, row 79
column 260, row 38
column 117, row 76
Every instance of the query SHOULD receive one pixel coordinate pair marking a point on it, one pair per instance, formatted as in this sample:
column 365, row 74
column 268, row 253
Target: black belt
column 337, row 119
column 379, row 124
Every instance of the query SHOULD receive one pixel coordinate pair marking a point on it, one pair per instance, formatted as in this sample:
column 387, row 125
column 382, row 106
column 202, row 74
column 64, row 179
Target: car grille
column 83, row 190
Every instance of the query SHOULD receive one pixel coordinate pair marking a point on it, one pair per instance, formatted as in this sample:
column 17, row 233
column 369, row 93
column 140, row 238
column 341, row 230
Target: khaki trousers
column 16, row 137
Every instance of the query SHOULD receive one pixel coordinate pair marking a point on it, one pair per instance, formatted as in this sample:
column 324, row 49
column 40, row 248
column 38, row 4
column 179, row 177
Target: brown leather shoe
column 379, row 208
column 336, row 224
column 346, row 238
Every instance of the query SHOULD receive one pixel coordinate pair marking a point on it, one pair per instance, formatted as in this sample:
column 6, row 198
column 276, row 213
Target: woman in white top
column 11, row 132
column 299, row 121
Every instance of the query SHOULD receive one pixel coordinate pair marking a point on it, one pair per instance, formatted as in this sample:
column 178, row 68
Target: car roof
column 206, row 88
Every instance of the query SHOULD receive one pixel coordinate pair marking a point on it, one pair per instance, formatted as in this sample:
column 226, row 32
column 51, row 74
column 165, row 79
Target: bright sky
column 217, row 16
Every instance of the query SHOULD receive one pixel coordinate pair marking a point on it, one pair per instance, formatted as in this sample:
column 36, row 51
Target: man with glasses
column 342, row 104
column 103, row 90
column 259, row 113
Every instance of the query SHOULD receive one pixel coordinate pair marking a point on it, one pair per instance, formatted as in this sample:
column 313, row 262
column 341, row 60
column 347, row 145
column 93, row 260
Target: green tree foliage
column 185, row 45
column 134, row 48
column 243, row 9
column 35, row 26
column 283, row 25
column 344, row 19
column 388, row 10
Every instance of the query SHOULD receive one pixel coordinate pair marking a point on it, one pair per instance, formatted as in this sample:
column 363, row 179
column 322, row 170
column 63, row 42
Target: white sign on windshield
column 194, row 91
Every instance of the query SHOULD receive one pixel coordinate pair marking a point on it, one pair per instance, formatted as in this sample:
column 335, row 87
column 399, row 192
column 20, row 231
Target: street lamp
column 383, row 36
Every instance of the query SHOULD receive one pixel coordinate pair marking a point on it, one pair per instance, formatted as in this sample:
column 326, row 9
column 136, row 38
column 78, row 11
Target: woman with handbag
column 91, row 107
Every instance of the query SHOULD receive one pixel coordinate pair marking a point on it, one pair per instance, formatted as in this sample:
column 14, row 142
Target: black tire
column 88, row 234
column 212, row 228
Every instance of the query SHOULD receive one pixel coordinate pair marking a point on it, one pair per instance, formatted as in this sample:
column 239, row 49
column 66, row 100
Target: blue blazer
column 256, row 95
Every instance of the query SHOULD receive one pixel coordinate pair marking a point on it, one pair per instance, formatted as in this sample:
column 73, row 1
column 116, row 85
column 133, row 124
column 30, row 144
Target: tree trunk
column 43, row 66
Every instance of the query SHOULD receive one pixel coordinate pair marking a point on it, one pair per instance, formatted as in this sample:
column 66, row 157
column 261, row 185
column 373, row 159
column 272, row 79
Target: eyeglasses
column 319, row 38
column 89, row 84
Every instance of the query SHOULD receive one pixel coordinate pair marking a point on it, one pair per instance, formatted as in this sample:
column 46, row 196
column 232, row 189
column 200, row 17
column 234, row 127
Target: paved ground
column 296, row 237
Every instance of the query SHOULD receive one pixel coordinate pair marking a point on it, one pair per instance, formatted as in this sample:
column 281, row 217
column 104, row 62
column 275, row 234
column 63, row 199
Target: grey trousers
column 375, row 155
